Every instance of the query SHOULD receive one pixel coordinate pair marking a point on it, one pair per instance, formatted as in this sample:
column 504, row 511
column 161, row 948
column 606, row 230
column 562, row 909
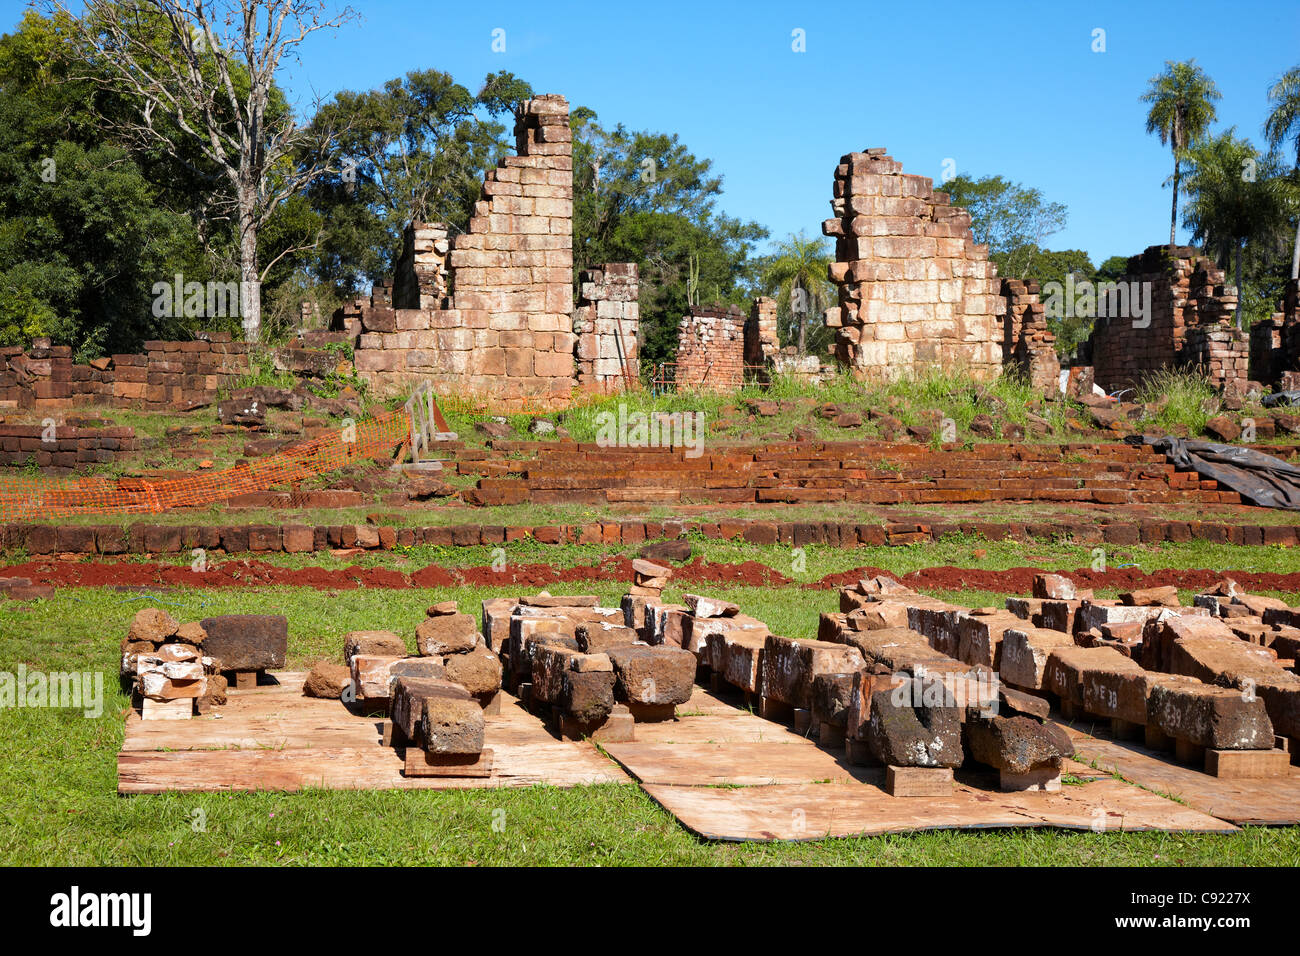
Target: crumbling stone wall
column 420, row 273
column 711, row 349
column 1027, row 342
column 914, row 289
column 504, row 333
column 1222, row 352
column 167, row 376
column 761, row 340
column 605, row 327
column 1275, row 343
column 1186, row 290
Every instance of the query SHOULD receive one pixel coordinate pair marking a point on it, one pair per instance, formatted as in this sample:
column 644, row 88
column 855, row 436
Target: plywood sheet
column 744, row 764
column 272, row 738
column 1271, row 801
column 817, row 811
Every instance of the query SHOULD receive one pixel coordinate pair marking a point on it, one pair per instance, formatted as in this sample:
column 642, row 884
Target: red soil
column 254, row 573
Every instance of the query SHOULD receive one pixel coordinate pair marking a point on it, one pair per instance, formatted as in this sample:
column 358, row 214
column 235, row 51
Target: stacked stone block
column 761, row 341
column 1222, row 352
column 506, row 334
column 915, row 291
column 1275, row 343
column 1027, row 342
column 1186, row 290
column 420, row 273
column 605, row 328
column 711, row 349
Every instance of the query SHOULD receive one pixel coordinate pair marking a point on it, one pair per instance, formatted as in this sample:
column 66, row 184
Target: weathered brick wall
column 166, row 376
column 915, row 290
column 505, row 334
column 1275, row 343
column 605, row 327
column 1186, row 290
column 1027, row 342
column 711, row 349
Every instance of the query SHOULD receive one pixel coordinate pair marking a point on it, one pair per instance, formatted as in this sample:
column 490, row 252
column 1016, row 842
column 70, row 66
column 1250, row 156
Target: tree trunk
column 1173, row 215
column 250, row 286
column 1295, row 255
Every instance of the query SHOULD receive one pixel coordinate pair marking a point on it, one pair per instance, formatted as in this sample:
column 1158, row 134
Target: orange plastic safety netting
column 27, row 498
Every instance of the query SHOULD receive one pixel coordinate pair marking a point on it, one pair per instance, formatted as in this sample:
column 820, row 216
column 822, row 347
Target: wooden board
column 816, row 811
column 273, row 738
column 1270, row 801
column 739, row 764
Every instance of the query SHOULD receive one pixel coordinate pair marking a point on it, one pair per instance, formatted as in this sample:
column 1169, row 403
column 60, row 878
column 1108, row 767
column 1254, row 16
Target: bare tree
column 211, row 89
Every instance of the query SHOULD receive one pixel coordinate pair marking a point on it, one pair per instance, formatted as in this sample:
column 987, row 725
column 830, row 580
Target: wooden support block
column 802, row 720
column 182, row 709
column 830, row 736
column 1281, row 743
column 1155, row 738
column 1247, row 764
column 716, row 684
column 651, row 713
column 1045, row 778
column 524, row 691
column 1122, row 729
column 618, row 728
column 918, row 781
column 1069, row 710
column 1189, row 753
column 394, row 736
column 769, row 708
column 421, row 763
column 245, row 680
column 857, row 753
column 491, row 704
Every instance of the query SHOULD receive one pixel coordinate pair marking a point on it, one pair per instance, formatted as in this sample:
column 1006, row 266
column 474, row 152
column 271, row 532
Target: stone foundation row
column 300, row 538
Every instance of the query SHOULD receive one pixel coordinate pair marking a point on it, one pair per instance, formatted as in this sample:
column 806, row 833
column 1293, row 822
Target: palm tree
column 1282, row 123
column 1236, row 196
column 797, row 273
column 1182, row 109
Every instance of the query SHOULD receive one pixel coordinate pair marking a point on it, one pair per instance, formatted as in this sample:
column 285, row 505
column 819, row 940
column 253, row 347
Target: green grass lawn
column 58, row 800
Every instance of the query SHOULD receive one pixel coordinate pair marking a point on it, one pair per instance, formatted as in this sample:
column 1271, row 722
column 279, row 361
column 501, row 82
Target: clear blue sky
column 1006, row 88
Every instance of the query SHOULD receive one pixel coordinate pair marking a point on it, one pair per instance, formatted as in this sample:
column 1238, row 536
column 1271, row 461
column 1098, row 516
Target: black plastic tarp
column 1261, row 479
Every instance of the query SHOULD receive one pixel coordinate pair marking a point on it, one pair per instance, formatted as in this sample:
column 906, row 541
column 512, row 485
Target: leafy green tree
column 202, row 80
column 1235, row 196
column 1283, row 123
column 415, row 149
column 1011, row 219
column 796, row 274
column 644, row 197
column 1113, row 268
column 1182, row 109
column 85, row 231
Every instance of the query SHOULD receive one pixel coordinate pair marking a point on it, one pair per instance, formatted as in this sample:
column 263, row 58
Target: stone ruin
column 488, row 312
column 605, row 327
column 915, row 291
column 719, row 348
column 1275, row 343
column 1185, row 320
